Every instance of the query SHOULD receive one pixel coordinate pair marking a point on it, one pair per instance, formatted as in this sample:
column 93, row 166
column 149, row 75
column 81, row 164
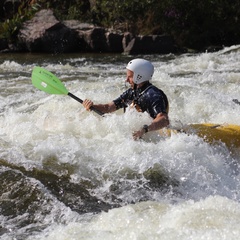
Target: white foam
column 200, row 88
column 212, row 218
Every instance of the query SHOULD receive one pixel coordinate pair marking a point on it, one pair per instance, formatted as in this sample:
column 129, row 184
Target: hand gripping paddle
column 49, row 83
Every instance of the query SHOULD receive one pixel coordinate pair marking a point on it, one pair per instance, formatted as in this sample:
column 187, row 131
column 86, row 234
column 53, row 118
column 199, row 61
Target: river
column 67, row 173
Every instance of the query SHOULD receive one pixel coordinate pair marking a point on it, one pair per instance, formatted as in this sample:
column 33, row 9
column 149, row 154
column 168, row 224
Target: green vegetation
column 194, row 24
column 15, row 18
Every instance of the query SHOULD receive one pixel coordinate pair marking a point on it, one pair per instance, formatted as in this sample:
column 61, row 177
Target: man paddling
column 142, row 95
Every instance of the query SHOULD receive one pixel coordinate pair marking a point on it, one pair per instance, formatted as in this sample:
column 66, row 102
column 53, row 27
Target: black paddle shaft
column 81, row 101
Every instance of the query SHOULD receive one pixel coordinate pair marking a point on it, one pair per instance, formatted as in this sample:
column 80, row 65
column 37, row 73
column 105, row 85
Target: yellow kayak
column 226, row 133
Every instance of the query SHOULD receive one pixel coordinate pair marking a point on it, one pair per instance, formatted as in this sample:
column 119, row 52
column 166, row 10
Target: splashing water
column 71, row 174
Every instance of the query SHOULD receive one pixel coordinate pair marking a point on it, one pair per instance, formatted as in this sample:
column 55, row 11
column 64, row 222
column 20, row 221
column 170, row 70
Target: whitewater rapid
column 71, row 174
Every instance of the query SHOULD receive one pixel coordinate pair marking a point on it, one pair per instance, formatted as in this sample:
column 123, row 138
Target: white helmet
column 142, row 70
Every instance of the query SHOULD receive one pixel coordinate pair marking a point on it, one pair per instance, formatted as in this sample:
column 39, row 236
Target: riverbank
column 45, row 34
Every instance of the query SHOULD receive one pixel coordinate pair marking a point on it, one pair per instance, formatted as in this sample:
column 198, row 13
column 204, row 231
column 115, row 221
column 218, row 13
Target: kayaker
column 142, row 95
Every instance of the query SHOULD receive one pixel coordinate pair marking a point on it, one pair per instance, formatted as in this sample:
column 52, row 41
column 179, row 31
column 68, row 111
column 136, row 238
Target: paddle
column 49, row 83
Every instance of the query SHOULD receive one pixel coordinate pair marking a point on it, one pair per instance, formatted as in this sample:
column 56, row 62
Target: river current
column 67, row 173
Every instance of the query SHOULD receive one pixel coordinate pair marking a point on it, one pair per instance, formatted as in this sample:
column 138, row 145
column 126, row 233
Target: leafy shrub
column 10, row 27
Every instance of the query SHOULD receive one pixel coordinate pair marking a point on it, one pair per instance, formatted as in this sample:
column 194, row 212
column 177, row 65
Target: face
column 130, row 78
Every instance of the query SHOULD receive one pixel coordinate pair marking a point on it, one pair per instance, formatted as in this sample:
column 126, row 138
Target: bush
column 202, row 23
column 10, row 27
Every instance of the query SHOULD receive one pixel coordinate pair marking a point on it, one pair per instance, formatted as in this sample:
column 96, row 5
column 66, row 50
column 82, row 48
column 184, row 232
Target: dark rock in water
column 96, row 39
column 23, row 196
column 30, row 200
column 159, row 178
column 44, row 33
column 114, row 42
column 155, row 178
column 127, row 38
column 150, row 44
column 30, row 196
column 3, row 230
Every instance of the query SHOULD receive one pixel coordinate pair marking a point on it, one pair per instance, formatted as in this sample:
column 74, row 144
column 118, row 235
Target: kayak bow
column 211, row 133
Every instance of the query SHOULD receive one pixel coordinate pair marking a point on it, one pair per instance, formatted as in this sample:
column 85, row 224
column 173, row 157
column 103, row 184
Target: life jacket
column 135, row 105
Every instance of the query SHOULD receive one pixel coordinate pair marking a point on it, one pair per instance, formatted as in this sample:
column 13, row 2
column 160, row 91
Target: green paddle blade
column 47, row 82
